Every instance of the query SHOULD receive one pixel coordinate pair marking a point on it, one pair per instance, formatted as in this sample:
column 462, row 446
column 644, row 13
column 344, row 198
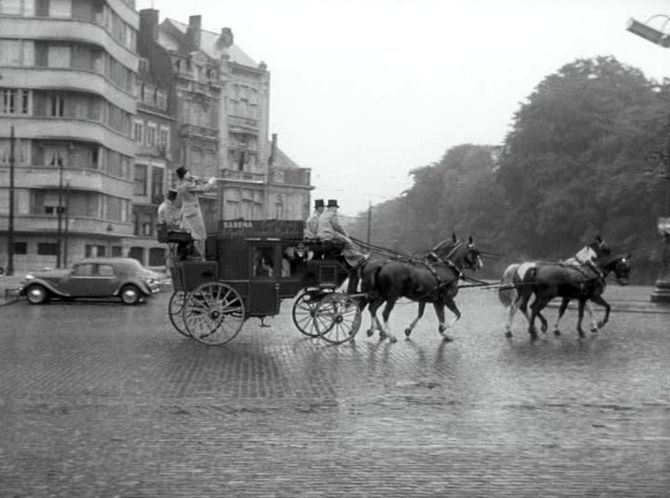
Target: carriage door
column 263, row 281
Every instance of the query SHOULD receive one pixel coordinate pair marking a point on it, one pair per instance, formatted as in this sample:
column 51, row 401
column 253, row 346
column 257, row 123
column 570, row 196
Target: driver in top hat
column 331, row 229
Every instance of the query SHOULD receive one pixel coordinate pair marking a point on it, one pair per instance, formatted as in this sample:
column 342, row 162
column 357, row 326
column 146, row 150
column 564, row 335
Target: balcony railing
column 242, row 176
column 285, row 176
column 199, row 131
column 237, row 124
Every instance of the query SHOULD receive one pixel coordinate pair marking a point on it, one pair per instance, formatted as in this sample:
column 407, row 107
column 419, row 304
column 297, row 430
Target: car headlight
column 30, row 277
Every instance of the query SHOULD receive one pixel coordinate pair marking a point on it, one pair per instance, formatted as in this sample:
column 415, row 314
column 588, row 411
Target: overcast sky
column 363, row 91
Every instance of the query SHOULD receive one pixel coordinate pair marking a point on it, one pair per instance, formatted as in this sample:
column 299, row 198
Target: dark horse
column 514, row 295
column 432, row 280
column 572, row 282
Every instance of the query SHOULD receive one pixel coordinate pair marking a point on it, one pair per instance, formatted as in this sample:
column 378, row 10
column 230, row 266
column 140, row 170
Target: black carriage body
column 257, row 259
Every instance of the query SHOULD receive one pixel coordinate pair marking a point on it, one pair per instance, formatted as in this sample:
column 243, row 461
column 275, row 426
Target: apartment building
column 67, row 90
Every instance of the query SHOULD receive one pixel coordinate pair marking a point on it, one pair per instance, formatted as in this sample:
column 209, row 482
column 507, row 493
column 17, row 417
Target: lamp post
column 67, row 221
column 59, row 214
column 10, row 227
column 661, row 292
column 660, row 36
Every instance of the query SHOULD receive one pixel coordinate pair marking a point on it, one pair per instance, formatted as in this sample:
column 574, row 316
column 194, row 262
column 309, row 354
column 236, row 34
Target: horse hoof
column 508, row 334
column 446, row 338
column 544, row 328
column 557, row 332
column 594, row 330
column 601, row 324
column 370, row 332
column 408, row 332
column 533, row 337
column 581, row 334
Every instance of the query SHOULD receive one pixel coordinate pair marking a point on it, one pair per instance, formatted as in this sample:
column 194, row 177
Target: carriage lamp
column 650, row 33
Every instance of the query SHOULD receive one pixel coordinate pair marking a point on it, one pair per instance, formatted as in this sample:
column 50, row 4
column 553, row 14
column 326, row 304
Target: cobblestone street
column 105, row 400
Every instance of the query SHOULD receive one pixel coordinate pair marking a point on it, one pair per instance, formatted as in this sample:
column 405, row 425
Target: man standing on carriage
column 168, row 218
column 188, row 188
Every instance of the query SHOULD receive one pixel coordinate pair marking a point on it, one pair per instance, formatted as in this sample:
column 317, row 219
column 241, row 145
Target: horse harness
column 441, row 284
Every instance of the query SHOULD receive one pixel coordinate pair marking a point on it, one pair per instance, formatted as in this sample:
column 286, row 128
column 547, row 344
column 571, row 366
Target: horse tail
column 507, row 292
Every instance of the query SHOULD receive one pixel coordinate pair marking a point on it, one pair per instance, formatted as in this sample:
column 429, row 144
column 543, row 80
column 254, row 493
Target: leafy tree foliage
column 575, row 164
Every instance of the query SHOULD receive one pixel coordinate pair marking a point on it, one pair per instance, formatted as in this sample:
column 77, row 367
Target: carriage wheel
column 213, row 313
column 304, row 313
column 175, row 307
column 341, row 316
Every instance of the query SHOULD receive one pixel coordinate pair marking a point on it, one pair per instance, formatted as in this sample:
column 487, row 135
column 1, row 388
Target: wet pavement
column 107, row 400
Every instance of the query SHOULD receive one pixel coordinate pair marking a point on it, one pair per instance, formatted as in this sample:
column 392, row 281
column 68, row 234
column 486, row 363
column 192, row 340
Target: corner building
column 67, row 88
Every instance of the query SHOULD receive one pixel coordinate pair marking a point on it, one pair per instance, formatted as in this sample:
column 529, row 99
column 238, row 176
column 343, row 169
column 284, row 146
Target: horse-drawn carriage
column 249, row 268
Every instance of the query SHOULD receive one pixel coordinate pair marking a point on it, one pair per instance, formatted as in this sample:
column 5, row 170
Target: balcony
column 31, row 127
column 189, row 130
column 294, row 176
column 47, row 177
column 39, row 28
column 239, row 124
column 76, row 225
column 242, row 176
column 79, row 80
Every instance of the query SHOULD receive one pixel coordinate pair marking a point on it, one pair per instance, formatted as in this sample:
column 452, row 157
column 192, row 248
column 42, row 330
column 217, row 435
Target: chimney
column 193, row 34
column 226, row 39
column 148, row 25
column 273, row 150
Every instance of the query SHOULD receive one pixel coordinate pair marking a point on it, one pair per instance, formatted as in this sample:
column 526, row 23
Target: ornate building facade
column 223, row 114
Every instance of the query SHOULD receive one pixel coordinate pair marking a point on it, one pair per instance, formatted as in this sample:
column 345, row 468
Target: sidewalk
column 9, row 286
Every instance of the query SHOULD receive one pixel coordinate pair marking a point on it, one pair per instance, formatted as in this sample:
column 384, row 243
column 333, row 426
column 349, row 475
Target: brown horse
column 433, row 280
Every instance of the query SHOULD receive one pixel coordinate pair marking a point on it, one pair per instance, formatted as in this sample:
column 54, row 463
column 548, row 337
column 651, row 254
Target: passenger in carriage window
column 263, row 263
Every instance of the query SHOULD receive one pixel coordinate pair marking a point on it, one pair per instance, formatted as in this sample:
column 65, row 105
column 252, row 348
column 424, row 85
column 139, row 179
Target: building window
column 140, row 179
column 138, row 131
column 161, row 99
column 151, row 134
column 94, row 251
column 164, row 138
column 57, row 108
column 157, row 182
column 117, row 251
column 15, row 101
column 47, row 249
column 20, row 248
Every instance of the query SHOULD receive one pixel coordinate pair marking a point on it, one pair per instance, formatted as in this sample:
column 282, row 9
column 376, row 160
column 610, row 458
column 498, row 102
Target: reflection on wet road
column 105, row 400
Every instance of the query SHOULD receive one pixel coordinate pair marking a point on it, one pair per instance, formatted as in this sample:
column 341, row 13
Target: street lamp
column 661, row 293
column 662, row 38
column 648, row 32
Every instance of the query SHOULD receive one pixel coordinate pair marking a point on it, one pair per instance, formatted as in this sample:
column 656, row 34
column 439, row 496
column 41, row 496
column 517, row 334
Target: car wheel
column 36, row 294
column 130, row 294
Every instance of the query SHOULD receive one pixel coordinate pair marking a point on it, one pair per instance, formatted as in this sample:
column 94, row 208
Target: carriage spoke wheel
column 338, row 318
column 305, row 313
column 175, row 309
column 213, row 313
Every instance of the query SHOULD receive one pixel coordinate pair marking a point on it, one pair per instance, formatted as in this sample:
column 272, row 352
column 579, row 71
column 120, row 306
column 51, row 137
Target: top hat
column 318, row 203
column 181, row 171
column 333, row 203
